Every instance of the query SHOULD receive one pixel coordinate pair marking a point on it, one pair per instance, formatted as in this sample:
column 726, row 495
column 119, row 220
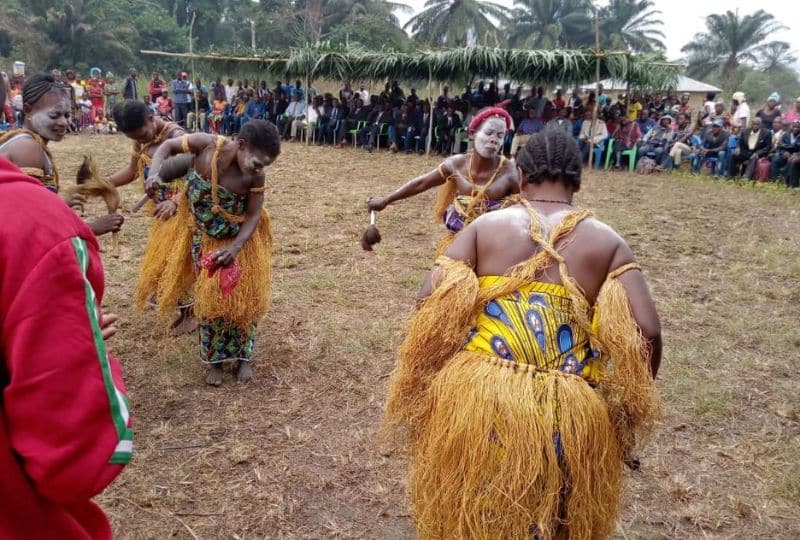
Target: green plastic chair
column 354, row 132
column 609, row 151
column 383, row 131
column 631, row 157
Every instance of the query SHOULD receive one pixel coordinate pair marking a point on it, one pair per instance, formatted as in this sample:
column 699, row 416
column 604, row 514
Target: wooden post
column 430, row 102
column 597, row 88
column 194, row 74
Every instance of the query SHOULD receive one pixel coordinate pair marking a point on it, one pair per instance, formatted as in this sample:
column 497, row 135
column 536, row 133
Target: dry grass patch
column 292, row 455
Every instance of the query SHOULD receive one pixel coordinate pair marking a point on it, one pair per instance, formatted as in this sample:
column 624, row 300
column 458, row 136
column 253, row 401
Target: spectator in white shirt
column 296, row 111
column 595, row 134
column 230, row 91
column 741, row 111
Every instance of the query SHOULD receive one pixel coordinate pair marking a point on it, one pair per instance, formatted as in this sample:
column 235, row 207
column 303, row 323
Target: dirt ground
column 292, row 455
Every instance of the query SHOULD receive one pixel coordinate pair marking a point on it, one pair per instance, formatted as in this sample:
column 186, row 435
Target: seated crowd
column 651, row 132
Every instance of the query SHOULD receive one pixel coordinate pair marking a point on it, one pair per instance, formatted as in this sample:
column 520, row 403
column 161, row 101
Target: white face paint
column 50, row 118
column 489, row 137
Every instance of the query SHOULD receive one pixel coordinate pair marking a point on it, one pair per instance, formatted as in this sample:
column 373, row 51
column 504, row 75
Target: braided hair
column 551, row 154
column 38, row 86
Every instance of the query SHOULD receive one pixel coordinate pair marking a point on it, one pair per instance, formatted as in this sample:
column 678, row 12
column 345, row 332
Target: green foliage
column 730, row 41
column 372, row 33
column 544, row 24
column 758, row 84
column 456, row 23
column 632, row 25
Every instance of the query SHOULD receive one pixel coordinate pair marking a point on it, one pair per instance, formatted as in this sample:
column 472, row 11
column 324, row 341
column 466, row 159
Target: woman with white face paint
column 473, row 183
column 46, row 110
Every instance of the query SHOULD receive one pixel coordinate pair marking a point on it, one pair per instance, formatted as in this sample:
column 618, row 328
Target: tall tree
column 545, row 24
column 454, row 23
column 730, row 41
column 632, row 25
column 775, row 56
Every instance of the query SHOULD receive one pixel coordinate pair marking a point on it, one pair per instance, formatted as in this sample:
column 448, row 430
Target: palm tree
column 632, row 25
column 348, row 11
column 730, row 40
column 546, row 24
column 456, row 23
column 775, row 56
column 87, row 31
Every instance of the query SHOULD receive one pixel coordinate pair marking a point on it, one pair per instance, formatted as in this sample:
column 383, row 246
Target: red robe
column 64, row 424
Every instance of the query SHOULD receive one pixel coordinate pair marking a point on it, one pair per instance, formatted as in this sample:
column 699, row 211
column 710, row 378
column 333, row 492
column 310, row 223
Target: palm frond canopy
column 537, row 66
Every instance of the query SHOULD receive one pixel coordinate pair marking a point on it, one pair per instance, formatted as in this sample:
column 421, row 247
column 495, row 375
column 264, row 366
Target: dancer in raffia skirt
column 526, row 377
column 222, row 241
column 471, row 184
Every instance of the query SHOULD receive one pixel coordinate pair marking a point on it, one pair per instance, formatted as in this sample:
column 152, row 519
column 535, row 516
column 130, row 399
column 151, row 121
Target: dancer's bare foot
column 185, row 323
column 245, row 372
column 214, row 377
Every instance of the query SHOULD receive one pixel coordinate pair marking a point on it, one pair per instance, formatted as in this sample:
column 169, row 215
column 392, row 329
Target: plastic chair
column 631, row 155
column 610, row 152
column 383, row 131
column 354, row 132
column 336, row 130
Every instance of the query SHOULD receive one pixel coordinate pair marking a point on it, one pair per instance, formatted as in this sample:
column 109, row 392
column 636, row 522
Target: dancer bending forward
column 527, row 372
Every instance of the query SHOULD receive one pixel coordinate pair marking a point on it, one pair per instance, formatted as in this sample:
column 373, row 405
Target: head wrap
column 774, row 96
column 717, row 123
column 95, row 71
column 491, row 112
column 738, row 96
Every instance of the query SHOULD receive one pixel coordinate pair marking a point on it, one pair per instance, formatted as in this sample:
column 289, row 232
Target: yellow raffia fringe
column 486, row 465
column 160, row 243
column 249, row 300
column 444, row 198
column 482, row 431
column 627, row 385
column 436, row 332
column 444, row 243
column 177, row 277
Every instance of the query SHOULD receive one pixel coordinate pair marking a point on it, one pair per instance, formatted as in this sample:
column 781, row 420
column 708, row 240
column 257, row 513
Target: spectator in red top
column 626, row 136
column 155, row 86
column 96, row 89
column 559, row 101
column 64, row 425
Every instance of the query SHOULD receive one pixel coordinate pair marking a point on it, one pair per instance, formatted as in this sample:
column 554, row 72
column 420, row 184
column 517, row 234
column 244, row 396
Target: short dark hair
column 553, row 155
column 262, row 135
column 130, row 115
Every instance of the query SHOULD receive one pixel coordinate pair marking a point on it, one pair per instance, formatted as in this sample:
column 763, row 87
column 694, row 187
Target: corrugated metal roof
column 685, row 84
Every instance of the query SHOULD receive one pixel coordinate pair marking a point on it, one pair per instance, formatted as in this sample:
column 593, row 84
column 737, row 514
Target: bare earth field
column 293, row 455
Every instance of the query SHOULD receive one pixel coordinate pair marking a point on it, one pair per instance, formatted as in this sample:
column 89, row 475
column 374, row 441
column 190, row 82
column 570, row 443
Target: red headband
column 490, row 112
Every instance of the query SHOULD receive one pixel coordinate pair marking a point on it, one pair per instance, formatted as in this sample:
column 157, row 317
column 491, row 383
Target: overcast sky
column 683, row 18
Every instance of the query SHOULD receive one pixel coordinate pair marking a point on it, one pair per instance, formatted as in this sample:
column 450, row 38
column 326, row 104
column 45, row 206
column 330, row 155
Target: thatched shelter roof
column 539, row 66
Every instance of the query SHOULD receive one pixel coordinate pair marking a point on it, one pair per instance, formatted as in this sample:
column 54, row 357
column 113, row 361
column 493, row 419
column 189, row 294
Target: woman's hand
column 106, row 224
column 376, row 204
column 151, row 184
column 165, row 209
column 226, row 255
column 108, row 326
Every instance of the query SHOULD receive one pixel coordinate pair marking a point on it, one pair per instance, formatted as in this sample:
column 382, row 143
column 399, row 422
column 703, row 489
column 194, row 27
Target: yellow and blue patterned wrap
column 534, row 325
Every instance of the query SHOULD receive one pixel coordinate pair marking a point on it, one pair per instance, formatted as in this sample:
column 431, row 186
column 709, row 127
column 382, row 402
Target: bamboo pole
column 430, row 102
column 597, row 88
column 194, row 74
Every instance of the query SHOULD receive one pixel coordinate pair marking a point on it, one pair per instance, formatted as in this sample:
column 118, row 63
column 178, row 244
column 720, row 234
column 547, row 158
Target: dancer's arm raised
column 429, row 180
